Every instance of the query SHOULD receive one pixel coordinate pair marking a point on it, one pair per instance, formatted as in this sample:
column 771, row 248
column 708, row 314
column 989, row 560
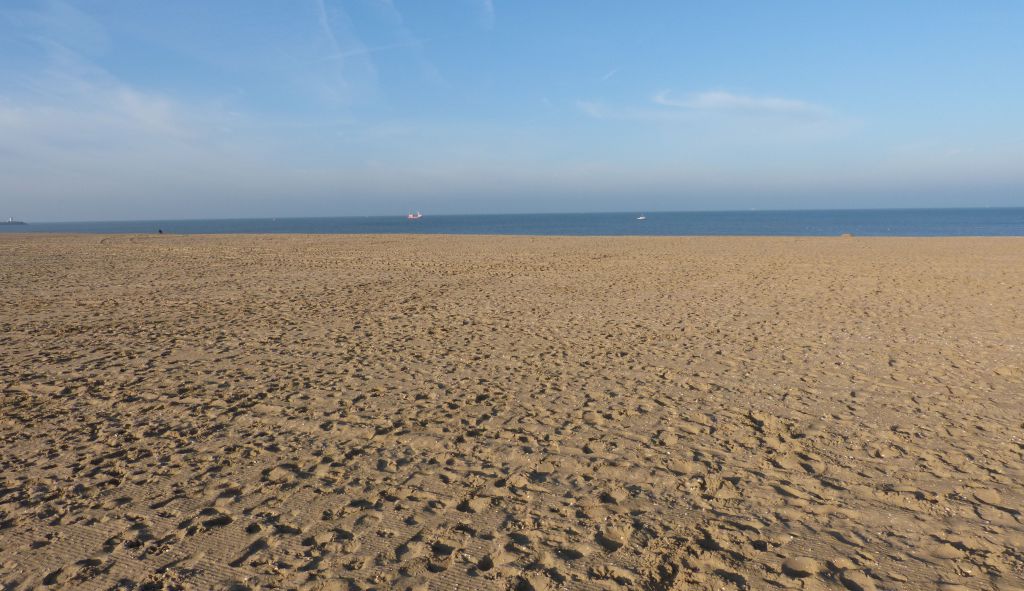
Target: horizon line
column 496, row 214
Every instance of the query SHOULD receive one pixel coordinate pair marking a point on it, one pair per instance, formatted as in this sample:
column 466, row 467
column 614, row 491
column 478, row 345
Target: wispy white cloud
column 728, row 119
column 75, row 117
column 701, row 106
column 324, row 20
column 610, row 74
column 602, row 110
column 335, row 51
column 68, row 98
column 487, row 14
column 406, row 39
column 591, row 108
column 717, row 100
column 360, row 51
column 60, row 23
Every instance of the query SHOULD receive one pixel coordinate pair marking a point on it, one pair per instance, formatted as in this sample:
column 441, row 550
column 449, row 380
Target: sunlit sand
column 395, row 412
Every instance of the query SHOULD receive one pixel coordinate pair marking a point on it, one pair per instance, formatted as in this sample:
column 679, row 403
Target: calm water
column 890, row 222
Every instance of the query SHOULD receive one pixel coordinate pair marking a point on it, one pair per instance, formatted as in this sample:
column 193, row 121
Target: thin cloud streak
column 336, row 52
column 325, row 25
column 717, row 100
column 712, row 106
column 603, row 111
column 411, row 41
column 360, row 51
column 488, row 14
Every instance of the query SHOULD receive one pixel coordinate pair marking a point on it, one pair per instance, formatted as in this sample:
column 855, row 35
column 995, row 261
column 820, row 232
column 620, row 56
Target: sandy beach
column 436, row 412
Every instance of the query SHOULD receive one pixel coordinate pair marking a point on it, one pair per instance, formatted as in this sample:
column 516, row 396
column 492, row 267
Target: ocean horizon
column 994, row 221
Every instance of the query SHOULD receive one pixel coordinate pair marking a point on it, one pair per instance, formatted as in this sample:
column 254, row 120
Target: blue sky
column 135, row 109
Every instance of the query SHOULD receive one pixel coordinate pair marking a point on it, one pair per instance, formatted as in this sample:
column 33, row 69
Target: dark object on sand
column 159, row 231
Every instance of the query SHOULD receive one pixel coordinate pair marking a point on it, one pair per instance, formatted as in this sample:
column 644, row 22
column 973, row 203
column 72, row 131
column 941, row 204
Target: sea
column 865, row 222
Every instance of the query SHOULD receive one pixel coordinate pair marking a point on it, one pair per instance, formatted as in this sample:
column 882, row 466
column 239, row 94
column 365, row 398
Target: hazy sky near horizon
column 136, row 109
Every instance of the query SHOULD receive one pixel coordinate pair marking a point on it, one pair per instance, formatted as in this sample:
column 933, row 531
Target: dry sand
column 396, row 412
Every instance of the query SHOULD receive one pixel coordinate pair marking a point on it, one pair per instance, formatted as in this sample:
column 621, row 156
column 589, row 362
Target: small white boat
column 414, row 216
column 642, row 217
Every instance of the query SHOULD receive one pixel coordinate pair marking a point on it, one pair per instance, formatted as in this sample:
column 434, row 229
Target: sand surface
column 395, row 412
